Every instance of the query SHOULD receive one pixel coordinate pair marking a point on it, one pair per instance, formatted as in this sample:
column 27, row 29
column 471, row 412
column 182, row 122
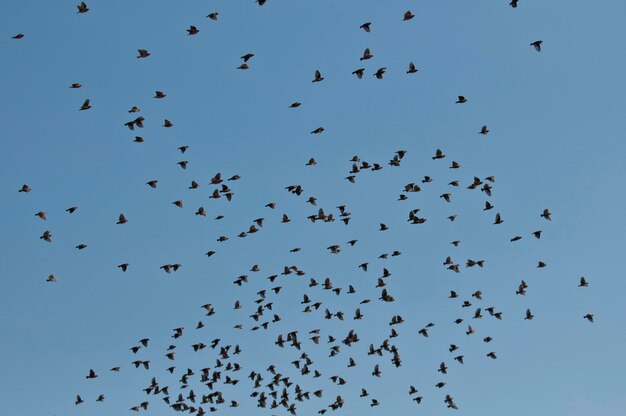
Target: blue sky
column 555, row 142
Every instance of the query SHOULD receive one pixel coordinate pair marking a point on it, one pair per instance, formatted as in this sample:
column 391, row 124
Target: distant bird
column 461, row 100
column 19, row 36
column 192, row 30
column 379, row 74
column 143, row 53
column 122, row 219
column 583, row 282
column 86, row 105
column 82, row 7
column 359, row 72
column 213, row 16
column 46, row 236
column 51, row 278
column 123, row 266
column 75, row 85
column 295, row 105
column 247, row 57
column 438, row 155
column 408, row 15
column 159, row 94
column 546, row 214
column 483, row 130
column 366, row 26
column 71, row 210
column 513, row 3
column 366, row 55
column 537, row 45
column 529, row 315
column 589, row 317
column 318, row 77
column 92, row 374
column 411, row 69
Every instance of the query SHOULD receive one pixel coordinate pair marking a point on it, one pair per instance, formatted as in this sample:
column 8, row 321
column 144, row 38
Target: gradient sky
column 556, row 142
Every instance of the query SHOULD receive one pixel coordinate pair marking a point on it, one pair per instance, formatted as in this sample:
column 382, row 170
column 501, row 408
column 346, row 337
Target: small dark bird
column 143, row 53
column 366, row 26
column 589, row 317
column 192, row 30
column 71, row 210
column 318, row 77
column 359, row 72
column 86, row 105
column 411, row 69
column 537, row 45
column 546, row 214
column 213, row 16
column 583, row 282
column 461, row 100
column 20, row 36
column 295, row 105
column 408, row 15
column 159, row 94
column 513, row 3
column 82, row 7
column 379, row 74
column 366, row 55
column 483, row 130
column 75, row 85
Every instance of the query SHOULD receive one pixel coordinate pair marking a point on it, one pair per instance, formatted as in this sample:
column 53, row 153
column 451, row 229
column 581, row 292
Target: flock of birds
column 270, row 387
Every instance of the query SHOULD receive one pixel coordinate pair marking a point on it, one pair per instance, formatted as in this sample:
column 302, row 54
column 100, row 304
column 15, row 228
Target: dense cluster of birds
column 270, row 387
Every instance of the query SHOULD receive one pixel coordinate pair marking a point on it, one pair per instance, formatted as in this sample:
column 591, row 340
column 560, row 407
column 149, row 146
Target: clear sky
column 555, row 141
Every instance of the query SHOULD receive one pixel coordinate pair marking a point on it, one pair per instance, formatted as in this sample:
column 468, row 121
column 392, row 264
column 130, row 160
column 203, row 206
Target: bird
column 143, row 53
column 366, row 26
column 122, row 219
column 408, row 15
column 513, row 3
column 546, row 214
column 213, row 15
column 411, row 69
column 589, row 317
column 366, row 55
column 159, row 94
column 379, row 74
column 76, row 85
column 192, row 30
column 358, row 72
column 529, row 315
column 583, row 282
column 46, row 236
column 537, row 45
column 86, row 105
column 484, row 130
column 51, row 278
column 461, row 100
column 82, row 7
column 318, row 77
column 18, row 36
